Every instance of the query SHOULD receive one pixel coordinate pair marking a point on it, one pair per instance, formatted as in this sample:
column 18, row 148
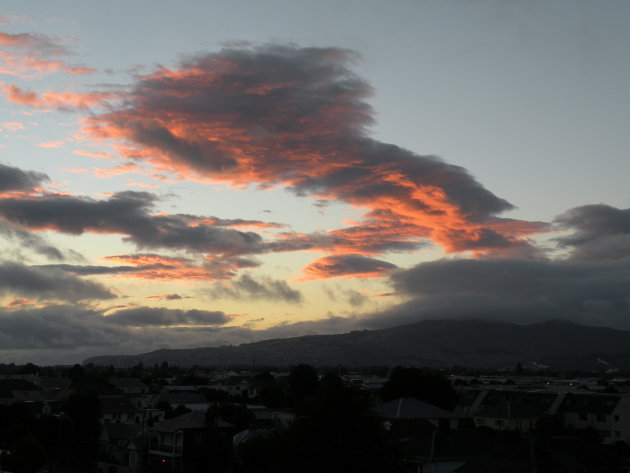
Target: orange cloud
column 157, row 267
column 75, row 170
column 297, row 117
column 51, row 144
column 20, row 302
column 347, row 266
column 161, row 267
column 13, row 126
column 28, row 55
column 142, row 184
column 92, row 154
column 59, row 100
column 124, row 168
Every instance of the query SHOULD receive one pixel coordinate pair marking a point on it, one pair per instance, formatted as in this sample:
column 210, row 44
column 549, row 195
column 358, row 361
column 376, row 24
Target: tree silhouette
column 303, row 381
column 334, row 433
column 424, row 384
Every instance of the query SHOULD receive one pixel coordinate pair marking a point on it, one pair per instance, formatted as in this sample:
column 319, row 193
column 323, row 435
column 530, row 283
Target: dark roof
column 411, row 408
column 176, row 398
column 127, row 383
column 93, row 387
column 116, row 404
column 451, row 444
column 190, row 420
column 7, row 386
column 236, row 380
column 53, row 382
column 468, row 397
column 510, row 410
column 589, row 403
column 119, row 431
column 540, row 400
column 558, row 454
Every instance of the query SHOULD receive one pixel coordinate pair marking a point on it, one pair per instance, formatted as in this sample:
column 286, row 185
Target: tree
column 28, row 456
column 76, row 373
column 236, row 414
column 334, row 433
column 80, row 425
column 29, row 368
column 303, row 381
column 424, row 384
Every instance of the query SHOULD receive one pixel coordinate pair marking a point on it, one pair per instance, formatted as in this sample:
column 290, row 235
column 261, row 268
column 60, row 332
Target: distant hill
column 471, row 343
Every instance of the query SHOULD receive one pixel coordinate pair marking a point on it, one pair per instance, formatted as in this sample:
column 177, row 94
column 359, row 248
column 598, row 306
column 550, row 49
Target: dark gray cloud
column 42, row 283
column 347, row 266
column 600, row 232
column 246, row 287
column 30, row 240
column 15, row 179
column 55, row 328
column 169, row 297
column 129, row 213
column 355, row 298
column 147, row 316
column 90, row 270
column 71, row 333
column 513, row 290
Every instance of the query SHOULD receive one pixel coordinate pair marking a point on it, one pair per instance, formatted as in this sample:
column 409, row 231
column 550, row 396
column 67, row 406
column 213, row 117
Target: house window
column 583, row 416
column 616, row 418
column 601, row 417
column 498, row 422
column 617, row 434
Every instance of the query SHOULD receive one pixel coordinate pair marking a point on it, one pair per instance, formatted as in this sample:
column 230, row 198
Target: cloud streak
column 600, row 232
column 148, row 316
column 247, row 287
column 31, row 55
column 65, row 100
column 128, row 213
column 347, row 266
column 13, row 179
column 48, row 283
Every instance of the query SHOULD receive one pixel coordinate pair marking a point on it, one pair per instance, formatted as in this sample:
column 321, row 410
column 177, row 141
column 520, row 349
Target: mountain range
column 470, row 343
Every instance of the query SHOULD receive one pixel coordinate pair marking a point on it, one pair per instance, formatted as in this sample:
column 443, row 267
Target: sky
column 215, row 173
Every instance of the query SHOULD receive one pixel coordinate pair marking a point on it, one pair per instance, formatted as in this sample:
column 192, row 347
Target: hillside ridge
column 437, row 343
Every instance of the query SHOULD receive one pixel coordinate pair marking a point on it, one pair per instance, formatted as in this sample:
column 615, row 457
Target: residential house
column 193, row 400
column 129, row 385
column 609, row 414
column 121, row 448
column 509, row 415
column 187, row 440
column 409, row 410
column 119, row 409
column 53, row 385
column 238, row 386
column 19, row 390
column 472, row 401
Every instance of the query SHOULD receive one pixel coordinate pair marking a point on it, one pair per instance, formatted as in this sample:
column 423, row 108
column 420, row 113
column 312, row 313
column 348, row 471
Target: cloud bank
column 589, row 286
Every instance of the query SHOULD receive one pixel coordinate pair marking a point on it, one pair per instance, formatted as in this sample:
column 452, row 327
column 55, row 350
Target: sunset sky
column 211, row 173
